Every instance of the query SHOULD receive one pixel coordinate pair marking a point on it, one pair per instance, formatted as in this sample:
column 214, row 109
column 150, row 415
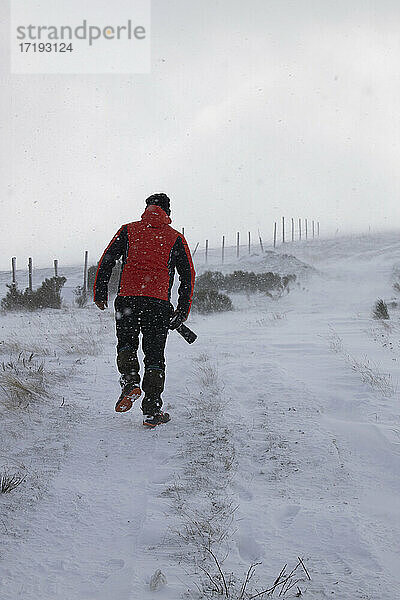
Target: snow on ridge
column 270, row 261
column 284, row 264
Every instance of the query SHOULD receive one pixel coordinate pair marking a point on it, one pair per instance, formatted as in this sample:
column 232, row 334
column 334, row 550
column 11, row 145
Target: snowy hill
column 284, row 443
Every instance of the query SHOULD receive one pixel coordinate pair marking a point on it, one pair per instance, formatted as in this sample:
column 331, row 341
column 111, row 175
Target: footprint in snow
column 249, row 549
column 243, row 493
column 116, row 563
column 287, row 515
column 109, row 568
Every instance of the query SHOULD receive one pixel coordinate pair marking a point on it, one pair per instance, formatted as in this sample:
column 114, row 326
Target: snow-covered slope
column 284, row 442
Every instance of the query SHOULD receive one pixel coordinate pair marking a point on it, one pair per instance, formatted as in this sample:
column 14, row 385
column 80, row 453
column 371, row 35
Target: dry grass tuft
column 335, row 341
column 380, row 310
column 81, row 341
column 372, row 375
column 22, row 380
column 16, row 346
column 218, row 584
column 9, row 482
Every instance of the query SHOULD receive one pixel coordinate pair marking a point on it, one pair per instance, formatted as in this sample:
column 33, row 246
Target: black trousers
column 151, row 317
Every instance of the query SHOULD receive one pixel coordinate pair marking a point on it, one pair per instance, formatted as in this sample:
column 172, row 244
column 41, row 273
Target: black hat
column 160, row 200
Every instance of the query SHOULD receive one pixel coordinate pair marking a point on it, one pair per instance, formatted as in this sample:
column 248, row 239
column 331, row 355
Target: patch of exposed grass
column 82, row 340
column 10, row 481
column 22, row 380
column 372, row 375
column 380, row 310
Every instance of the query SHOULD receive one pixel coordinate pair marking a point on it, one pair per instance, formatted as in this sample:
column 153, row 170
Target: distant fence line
column 302, row 233
column 287, row 233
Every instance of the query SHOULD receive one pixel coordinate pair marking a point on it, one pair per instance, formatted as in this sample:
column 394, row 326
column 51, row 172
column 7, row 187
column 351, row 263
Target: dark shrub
column 210, row 280
column 380, row 310
column 240, row 281
column 14, row 299
column 208, row 301
column 48, row 295
column 244, row 281
column 268, row 282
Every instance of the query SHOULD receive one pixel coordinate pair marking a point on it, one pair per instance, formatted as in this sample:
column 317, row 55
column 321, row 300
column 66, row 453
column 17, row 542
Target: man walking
column 151, row 251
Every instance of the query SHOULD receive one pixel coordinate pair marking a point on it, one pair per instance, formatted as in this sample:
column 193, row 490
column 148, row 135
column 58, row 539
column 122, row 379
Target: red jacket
column 150, row 250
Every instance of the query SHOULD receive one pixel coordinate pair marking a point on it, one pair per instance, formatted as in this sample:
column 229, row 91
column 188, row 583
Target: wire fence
column 284, row 232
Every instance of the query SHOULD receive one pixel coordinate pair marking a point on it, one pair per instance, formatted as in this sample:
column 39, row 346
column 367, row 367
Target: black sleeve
column 184, row 266
column 115, row 249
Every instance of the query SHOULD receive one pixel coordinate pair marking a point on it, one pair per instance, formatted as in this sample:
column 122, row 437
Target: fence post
column 206, row 251
column 30, row 274
column 318, row 228
column 14, row 269
column 183, row 231
column 194, row 251
column 237, row 244
column 306, row 229
column 223, row 249
column 299, row 229
column 261, row 243
column 275, row 234
column 292, row 229
column 313, row 229
column 249, row 242
column 85, row 271
column 55, row 267
column 283, row 230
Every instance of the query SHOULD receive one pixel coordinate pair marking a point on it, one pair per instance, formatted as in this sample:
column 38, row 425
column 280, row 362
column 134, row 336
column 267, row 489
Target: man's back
column 153, row 247
column 151, row 250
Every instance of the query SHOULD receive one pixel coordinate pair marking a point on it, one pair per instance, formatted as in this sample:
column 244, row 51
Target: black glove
column 177, row 319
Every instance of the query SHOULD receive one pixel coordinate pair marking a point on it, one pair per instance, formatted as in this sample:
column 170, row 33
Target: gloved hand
column 177, row 319
column 101, row 305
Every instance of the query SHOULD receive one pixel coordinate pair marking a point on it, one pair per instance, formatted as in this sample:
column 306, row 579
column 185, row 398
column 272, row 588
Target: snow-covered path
column 315, row 451
column 87, row 537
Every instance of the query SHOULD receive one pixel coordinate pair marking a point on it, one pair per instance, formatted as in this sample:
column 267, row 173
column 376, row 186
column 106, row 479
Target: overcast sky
column 252, row 111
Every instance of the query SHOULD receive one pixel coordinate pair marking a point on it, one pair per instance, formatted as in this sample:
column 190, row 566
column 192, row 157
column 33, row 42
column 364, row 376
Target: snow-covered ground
column 284, row 442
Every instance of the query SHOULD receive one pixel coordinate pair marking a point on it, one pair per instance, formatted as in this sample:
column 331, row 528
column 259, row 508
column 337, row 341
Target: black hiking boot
column 157, row 419
column 130, row 392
